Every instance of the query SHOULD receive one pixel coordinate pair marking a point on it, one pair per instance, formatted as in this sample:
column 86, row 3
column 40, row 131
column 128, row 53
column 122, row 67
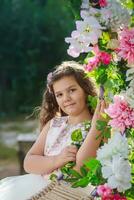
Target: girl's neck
column 85, row 115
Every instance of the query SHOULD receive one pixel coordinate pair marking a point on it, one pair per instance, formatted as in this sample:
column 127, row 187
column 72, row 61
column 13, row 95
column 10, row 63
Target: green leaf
column 77, row 135
column 92, row 101
column 83, row 171
column 92, row 163
column 75, row 173
column 65, row 170
column 70, row 164
column 107, row 133
column 53, row 177
column 81, row 183
column 101, row 125
column 71, row 180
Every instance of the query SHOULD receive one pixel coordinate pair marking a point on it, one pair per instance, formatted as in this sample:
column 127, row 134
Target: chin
column 71, row 113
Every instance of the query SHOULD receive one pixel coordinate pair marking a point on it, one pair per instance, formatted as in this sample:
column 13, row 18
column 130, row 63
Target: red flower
column 103, row 3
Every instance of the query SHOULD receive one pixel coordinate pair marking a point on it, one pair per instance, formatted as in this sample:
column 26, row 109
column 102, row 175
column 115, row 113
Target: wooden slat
column 62, row 191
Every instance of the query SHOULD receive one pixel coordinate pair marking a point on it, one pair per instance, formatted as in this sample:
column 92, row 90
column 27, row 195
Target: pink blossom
column 126, row 46
column 100, row 57
column 120, row 112
column 104, row 190
column 103, row 3
column 105, row 57
column 93, row 62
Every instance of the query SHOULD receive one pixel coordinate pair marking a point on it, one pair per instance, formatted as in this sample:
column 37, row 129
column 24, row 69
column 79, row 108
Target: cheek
column 80, row 98
column 59, row 102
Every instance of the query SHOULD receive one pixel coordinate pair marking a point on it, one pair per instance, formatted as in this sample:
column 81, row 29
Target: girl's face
column 70, row 96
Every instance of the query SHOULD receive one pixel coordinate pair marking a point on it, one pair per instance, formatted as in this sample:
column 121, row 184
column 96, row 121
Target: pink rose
column 104, row 190
column 105, row 57
column 103, row 3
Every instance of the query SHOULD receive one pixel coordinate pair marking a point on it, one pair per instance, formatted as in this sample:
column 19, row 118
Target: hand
column 101, row 105
column 67, row 154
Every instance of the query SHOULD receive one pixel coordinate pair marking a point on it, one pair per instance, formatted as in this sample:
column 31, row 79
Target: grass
column 7, row 153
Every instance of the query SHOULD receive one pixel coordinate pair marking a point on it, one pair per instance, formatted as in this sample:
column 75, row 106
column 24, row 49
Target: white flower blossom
column 117, row 144
column 120, row 15
column 87, row 33
column 129, row 95
column 85, row 4
column 90, row 29
column 114, row 160
column 130, row 74
column 118, row 173
column 78, row 44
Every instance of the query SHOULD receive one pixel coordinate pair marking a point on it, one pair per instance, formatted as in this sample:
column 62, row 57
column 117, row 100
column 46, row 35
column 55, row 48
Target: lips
column 69, row 105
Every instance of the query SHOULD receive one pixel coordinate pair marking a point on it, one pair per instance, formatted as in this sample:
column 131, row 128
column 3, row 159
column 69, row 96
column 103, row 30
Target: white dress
column 24, row 186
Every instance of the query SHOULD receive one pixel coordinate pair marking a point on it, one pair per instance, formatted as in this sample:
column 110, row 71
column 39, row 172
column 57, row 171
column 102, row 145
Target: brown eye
column 72, row 90
column 59, row 95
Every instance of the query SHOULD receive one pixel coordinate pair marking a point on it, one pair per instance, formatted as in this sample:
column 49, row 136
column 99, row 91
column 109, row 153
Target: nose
column 66, row 97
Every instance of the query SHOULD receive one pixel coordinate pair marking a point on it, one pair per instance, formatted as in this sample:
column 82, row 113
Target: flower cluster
column 115, row 166
column 106, row 193
column 105, row 36
column 100, row 57
column 121, row 113
column 126, row 45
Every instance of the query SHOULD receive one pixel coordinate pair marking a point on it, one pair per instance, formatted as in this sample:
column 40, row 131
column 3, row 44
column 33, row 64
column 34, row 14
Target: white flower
column 87, row 33
column 78, row 44
column 129, row 95
column 117, row 144
column 130, row 74
column 120, row 15
column 90, row 28
column 105, row 16
column 118, row 173
column 85, row 4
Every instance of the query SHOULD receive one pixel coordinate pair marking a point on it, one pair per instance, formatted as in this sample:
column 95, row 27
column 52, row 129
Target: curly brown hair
column 49, row 107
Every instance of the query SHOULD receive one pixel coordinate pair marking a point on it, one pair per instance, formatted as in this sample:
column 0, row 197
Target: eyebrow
column 66, row 88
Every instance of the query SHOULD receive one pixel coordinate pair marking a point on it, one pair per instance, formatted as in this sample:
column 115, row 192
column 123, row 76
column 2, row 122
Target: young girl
column 64, row 109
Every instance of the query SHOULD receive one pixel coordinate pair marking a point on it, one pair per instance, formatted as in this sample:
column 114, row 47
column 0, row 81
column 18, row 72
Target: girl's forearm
column 89, row 147
column 37, row 164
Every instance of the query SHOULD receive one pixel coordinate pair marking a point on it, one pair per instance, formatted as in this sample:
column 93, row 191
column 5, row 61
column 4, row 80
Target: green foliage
column 76, row 135
column 7, row 153
column 92, row 101
column 74, row 6
column 128, row 3
column 53, row 177
column 104, row 128
column 90, row 172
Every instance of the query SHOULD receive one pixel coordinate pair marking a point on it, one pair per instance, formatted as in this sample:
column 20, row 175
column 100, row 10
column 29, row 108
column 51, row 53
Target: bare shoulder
column 46, row 128
column 38, row 146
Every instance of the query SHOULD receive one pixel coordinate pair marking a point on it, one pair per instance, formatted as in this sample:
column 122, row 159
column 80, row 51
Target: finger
column 71, row 155
column 103, row 106
column 97, row 110
column 72, row 148
column 71, row 158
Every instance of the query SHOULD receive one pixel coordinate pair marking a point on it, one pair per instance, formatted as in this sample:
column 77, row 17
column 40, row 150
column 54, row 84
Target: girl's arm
column 91, row 144
column 38, row 163
column 35, row 161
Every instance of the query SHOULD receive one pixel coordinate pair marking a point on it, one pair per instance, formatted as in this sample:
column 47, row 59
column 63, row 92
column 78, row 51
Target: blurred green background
column 32, row 36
